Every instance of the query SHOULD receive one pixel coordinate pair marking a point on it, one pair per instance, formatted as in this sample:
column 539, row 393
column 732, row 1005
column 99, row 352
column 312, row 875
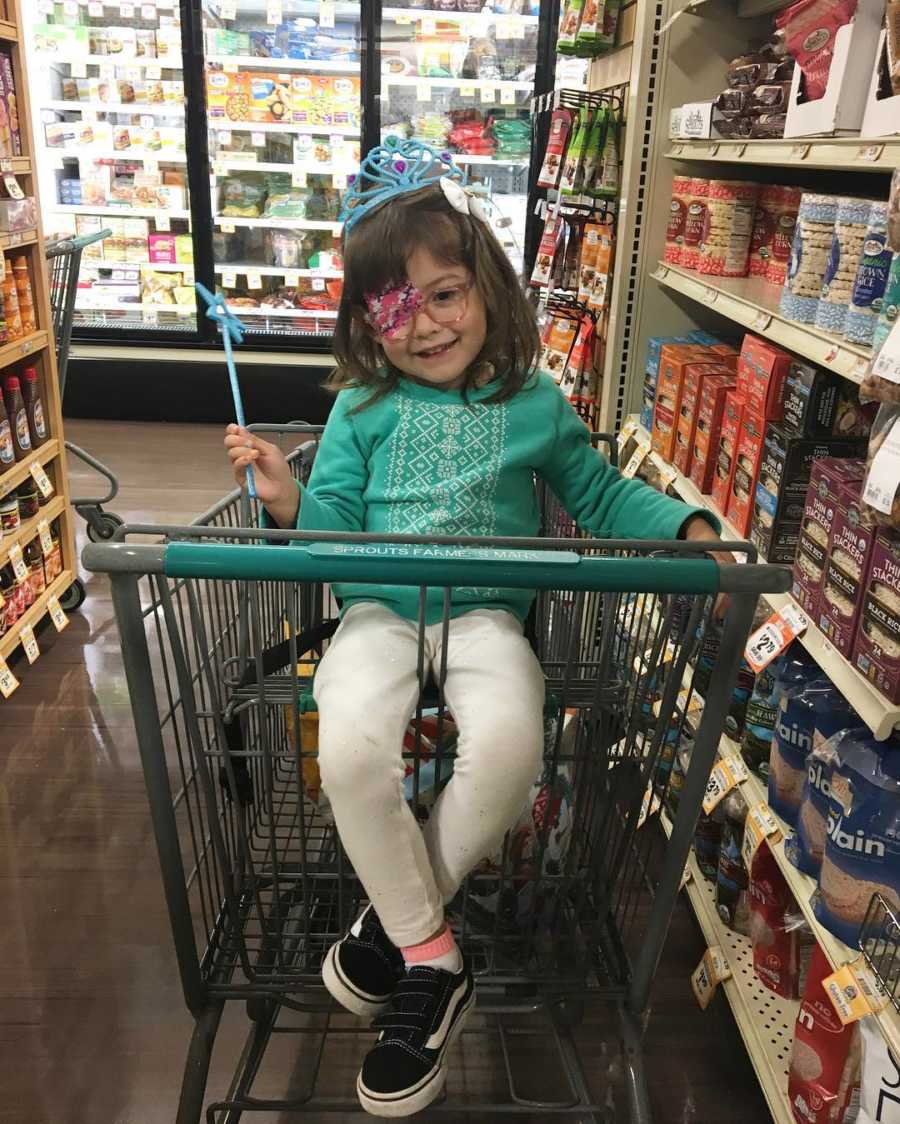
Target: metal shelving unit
column 839, row 154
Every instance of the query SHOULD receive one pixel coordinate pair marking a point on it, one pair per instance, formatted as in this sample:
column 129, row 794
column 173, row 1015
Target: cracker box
column 826, row 481
column 708, row 430
column 675, row 358
column 695, row 375
column 876, row 649
column 727, row 451
column 849, row 559
column 811, row 399
column 746, row 469
column 726, row 354
column 761, row 373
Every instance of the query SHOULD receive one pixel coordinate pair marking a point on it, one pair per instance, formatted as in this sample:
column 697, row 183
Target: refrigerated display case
column 279, row 101
column 109, row 120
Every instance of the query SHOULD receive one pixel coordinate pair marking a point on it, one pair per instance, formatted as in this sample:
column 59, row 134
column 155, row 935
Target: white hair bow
column 463, row 199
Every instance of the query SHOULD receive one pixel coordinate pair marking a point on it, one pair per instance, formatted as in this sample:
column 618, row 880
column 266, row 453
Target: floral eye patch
column 393, row 307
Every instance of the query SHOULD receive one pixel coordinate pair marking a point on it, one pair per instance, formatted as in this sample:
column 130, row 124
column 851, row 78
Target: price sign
column 339, row 180
column 318, row 284
column 57, row 613
column 273, row 12
column 162, row 223
column 771, row 639
column 154, row 73
column 488, row 95
column 628, row 430
column 759, row 825
column 95, row 9
column 667, row 476
column 326, row 13
column 70, row 7
column 423, row 91
column 887, row 365
column 254, row 280
column 230, row 66
column 150, row 315
column 29, row 643
column 224, row 138
column 799, row 151
column 467, row 89
column 869, row 153
column 228, row 10
column 46, row 7
column 429, row 25
column 45, row 537
column 78, row 69
column 258, row 140
column 503, row 27
column 709, row 973
column 517, row 29
column 292, row 277
column 226, row 227
column 229, row 279
column 148, row 12
column 761, row 321
column 507, row 95
column 151, row 165
column 12, row 187
column 41, row 479
column 126, row 11
column 18, row 563
column 298, row 178
column 721, row 781
column 854, row 992
column 8, row 681
column 637, row 459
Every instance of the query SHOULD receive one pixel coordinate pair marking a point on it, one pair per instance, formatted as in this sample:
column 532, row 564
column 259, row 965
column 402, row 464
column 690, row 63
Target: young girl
column 439, row 428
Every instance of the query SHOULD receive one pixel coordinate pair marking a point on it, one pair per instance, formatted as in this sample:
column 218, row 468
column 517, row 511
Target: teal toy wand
column 232, row 330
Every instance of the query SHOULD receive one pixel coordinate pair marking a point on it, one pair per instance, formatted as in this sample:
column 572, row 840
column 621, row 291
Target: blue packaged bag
column 792, row 738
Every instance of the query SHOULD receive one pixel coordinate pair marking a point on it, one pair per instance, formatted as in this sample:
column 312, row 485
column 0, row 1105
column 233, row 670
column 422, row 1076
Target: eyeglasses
column 392, row 312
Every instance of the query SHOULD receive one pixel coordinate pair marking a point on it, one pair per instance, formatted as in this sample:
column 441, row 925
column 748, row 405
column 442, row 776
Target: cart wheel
column 74, row 596
column 109, row 523
column 567, row 1013
column 260, row 1010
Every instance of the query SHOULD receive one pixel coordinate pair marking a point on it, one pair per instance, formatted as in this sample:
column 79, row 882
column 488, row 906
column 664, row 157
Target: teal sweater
column 420, row 461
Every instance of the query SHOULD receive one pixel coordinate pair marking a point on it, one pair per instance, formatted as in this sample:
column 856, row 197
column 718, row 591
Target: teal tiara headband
column 398, row 167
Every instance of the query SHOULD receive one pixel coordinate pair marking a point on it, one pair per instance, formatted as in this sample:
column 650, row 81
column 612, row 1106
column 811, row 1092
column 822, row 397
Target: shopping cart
column 221, row 629
column 64, row 261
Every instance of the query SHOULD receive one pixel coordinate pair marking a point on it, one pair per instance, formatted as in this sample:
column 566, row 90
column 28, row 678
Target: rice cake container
column 876, row 648
column 773, row 232
column 810, row 253
column 727, row 228
column 694, row 223
column 681, row 193
column 849, row 559
column 848, row 239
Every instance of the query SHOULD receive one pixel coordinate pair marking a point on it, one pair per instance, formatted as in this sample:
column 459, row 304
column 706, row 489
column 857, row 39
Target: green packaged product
column 608, row 177
column 593, row 157
column 572, row 178
column 890, row 305
column 610, row 24
column 590, row 30
column 568, row 31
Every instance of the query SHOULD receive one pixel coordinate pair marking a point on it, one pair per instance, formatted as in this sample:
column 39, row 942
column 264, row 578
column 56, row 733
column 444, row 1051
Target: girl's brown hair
column 375, row 256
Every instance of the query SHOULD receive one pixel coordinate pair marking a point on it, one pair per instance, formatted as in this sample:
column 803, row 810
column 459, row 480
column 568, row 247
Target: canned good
column 9, row 515
column 28, row 499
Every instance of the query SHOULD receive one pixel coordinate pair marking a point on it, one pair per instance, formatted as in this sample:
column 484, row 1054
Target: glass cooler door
column 460, row 79
column 109, row 124
column 284, row 114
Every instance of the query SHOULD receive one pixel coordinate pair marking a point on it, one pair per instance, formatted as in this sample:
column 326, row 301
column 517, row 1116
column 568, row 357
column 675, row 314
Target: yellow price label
column 18, row 563
column 57, row 613
column 8, row 681
column 708, row 974
column 29, row 643
column 45, row 537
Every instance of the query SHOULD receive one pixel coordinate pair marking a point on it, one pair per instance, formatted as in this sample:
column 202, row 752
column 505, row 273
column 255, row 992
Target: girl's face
column 434, row 353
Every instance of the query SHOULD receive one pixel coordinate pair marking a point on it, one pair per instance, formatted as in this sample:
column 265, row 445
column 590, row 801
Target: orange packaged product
column 227, row 96
column 746, row 470
column 599, row 295
column 11, row 305
column 695, row 375
column 726, row 456
column 708, row 429
column 673, row 360
column 24, row 292
column 725, row 353
column 558, row 346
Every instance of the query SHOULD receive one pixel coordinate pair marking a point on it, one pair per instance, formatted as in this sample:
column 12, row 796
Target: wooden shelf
column 845, row 154
column 9, row 33
column 29, row 529
column 765, row 1020
column 879, row 715
column 15, row 238
column 21, row 349
column 753, row 303
column 14, row 476
column 32, row 616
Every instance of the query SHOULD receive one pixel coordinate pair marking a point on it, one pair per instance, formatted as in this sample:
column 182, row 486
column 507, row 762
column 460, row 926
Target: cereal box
column 674, row 359
column 727, row 228
column 695, row 375
column 727, row 452
column 849, row 558
column 708, row 430
column 876, row 649
column 762, row 369
column 746, row 468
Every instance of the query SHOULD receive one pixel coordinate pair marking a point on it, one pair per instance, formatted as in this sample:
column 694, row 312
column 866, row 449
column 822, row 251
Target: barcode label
column 45, row 537
column 18, row 563
column 29, row 643
column 8, row 681
column 57, row 613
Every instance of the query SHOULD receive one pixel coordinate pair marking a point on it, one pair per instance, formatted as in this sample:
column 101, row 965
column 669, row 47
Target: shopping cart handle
column 442, row 566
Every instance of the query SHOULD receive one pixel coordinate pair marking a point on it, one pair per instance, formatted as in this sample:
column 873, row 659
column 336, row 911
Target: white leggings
column 366, row 689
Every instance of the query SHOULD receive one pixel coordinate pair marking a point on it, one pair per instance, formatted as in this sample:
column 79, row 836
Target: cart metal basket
column 221, row 630
column 64, row 261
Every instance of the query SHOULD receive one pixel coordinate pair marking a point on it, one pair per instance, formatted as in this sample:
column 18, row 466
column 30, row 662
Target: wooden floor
column 93, row 1029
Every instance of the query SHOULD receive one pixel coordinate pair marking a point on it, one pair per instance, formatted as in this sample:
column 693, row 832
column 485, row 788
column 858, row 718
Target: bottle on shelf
column 25, row 294
column 33, row 396
column 14, row 329
column 7, row 449
column 18, row 417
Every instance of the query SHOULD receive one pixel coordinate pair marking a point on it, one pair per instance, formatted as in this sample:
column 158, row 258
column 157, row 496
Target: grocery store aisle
column 92, row 1025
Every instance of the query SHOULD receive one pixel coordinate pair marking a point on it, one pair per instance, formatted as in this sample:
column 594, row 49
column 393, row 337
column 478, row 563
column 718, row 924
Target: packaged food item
column 887, row 317
column 22, row 279
column 825, row 1056
column 558, row 138
column 871, row 279
column 568, row 28
column 681, row 187
column 694, row 222
column 822, row 504
column 849, row 561
column 764, row 225
column 727, row 228
column 880, row 497
column 894, row 212
column 851, row 222
column 603, row 264
column 819, row 403
column 784, row 208
column 800, row 685
column 762, row 370
column 10, row 520
column 862, row 850
column 774, row 933
column 707, row 838
column 558, row 348
column 876, row 647
column 726, row 457
column 18, row 417
column 7, row 449
column 243, row 195
column 543, row 262
column 809, row 28
column 35, row 563
column 14, row 326
column 810, row 253
column 53, row 560
column 571, row 179
column 759, row 721
column 695, row 375
column 880, row 1084
column 746, row 468
column 708, row 430
column 10, row 103
column 670, row 383
column 732, row 898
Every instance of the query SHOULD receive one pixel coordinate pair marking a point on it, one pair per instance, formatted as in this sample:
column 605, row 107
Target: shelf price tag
column 760, row 824
column 339, row 180
column 229, row 279
column 154, row 73
column 228, row 10
column 423, row 91
column 668, row 474
column 721, row 781
column 855, row 992
column 45, row 537
column 870, row 152
column 57, row 613
column 70, row 8
column 628, row 430
column 95, row 9
column 429, row 25
column 318, row 284
column 17, row 561
column 488, row 95
column 41, row 479
column 771, row 639
column 507, row 95
column 467, row 89
column 29, row 643
column 258, row 140
column 887, row 365
column 148, row 12
column 230, row 66
column 298, row 178
column 226, row 227
column 254, row 280
column 8, row 681
column 708, row 974
column 326, row 13
column 637, row 459
column 162, row 222
column 273, row 12
column 800, row 151
column 761, row 321
column 292, row 277
column 126, row 10
column 502, row 28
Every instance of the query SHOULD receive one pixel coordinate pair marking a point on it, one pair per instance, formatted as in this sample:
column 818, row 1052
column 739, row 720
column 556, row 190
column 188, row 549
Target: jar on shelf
column 14, row 593
column 35, row 561
column 53, row 560
column 28, row 498
column 9, row 515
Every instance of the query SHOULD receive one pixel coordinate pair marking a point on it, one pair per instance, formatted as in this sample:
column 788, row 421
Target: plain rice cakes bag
column 793, row 735
column 880, row 1085
column 862, row 851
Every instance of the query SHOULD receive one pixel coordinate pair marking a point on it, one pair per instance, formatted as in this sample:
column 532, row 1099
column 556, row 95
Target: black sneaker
column 362, row 970
column 406, row 1068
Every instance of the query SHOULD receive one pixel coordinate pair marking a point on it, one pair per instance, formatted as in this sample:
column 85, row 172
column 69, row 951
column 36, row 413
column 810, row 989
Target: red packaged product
column 727, row 227
column 810, row 27
column 776, row 951
column 849, row 559
column 762, row 369
column 695, row 375
column 746, row 470
column 708, row 430
column 543, row 262
column 681, row 194
column 785, row 217
column 558, row 139
column 694, row 221
column 762, row 239
column 726, row 456
column 674, row 358
column 825, row 1057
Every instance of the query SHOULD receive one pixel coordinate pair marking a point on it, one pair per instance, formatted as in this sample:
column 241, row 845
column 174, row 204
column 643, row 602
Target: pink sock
column 441, row 952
